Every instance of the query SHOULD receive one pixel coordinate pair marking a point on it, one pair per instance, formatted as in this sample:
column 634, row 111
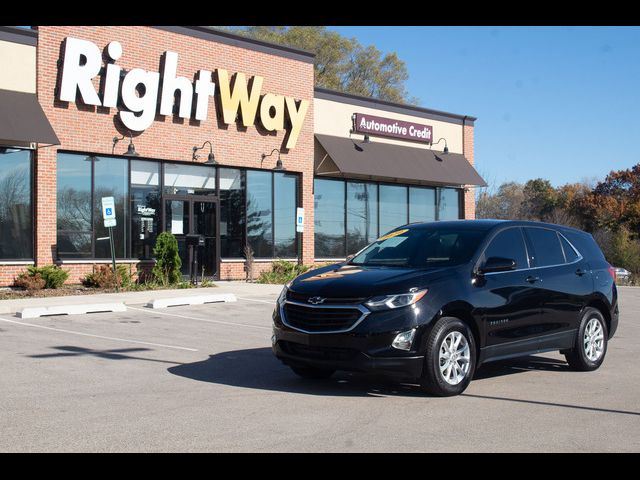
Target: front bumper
column 346, row 351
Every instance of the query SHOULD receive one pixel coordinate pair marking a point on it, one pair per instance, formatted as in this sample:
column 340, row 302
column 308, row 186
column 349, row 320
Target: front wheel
column 450, row 358
column 591, row 342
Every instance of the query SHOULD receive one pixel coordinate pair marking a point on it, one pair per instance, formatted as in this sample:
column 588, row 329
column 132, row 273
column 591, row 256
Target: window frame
column 407, row 186
column 32, row 202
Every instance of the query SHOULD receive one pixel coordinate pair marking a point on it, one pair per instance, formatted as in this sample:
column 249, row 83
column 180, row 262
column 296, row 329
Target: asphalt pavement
column 203, row 378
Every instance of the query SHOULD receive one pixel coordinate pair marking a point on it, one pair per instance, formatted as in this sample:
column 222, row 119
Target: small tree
column 167, row 268
column 248, row 263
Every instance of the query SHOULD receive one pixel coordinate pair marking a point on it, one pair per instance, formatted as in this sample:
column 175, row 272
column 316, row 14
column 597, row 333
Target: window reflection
column 232, row 214
column 362, row 215
column 284, row 214
column 393, row 207
column 328, row 214
column 259, row 219
column 16, row 232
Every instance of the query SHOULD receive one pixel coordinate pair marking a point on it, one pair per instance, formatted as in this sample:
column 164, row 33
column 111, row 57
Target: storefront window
column 422, row 204
column 393, row 207
column 362, row 215
column 284, row 214
column 145, row 207
column 328, row 214
column 111, row 179
column 259, row 216
column 232, row 213
column 448, row 204
column 16, row 217
column 181, row 179
column 75, row 219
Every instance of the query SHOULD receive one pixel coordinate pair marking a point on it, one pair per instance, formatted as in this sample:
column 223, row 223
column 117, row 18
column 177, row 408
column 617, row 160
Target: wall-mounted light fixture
column 131, row 149
column 211, row 159
column 446, row 149
column 279, row 166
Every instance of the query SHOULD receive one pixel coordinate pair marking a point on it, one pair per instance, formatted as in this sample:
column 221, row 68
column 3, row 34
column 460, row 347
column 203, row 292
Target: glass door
column 204, row 223
column 177, row 221
column 187, row 218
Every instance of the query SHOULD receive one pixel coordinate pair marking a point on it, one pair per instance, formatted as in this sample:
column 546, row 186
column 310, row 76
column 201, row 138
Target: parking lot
column 202, row 378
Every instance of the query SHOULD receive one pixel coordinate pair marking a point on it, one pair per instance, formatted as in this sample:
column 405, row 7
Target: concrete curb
column 191, row 300
column 35, row 312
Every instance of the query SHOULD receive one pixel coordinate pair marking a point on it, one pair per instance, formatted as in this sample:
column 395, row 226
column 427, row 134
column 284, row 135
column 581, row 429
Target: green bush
column 282, row 272
column 54, row 276
column 103, row 277
column 167, row 268
column 30, row 282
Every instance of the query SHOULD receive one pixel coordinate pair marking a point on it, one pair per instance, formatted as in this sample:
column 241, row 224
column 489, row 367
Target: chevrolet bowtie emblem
column 316, row 300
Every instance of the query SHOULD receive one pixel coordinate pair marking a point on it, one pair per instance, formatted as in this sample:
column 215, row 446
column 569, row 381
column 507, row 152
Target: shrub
column 167, row 268
column 282, row 272
column 53, row 276
column 103, row 277
column 30, row 282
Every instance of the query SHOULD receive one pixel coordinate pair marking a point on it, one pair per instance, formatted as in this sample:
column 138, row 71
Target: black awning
column 375, row 160
column 22, row 119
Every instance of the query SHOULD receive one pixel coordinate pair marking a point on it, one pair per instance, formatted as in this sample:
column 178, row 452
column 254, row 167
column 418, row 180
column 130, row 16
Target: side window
column 508, row 244
column 569, row 253
column 546, row 247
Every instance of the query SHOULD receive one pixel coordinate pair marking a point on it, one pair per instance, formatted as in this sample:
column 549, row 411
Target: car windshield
column 423, row 247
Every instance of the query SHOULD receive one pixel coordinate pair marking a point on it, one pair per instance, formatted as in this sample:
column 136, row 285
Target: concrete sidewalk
column 240, row 289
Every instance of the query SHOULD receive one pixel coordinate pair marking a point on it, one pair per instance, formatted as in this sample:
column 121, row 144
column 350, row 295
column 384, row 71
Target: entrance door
column 184, row 216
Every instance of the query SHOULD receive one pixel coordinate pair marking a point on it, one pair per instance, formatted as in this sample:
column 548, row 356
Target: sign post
column 109, row 216
column 299, row 230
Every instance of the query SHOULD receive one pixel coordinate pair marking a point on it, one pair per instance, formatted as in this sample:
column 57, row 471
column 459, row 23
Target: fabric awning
column 22, row 120
column 376, row 160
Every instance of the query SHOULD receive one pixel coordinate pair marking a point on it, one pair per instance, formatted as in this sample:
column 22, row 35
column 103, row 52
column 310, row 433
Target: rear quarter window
column 546, row 247
column 585, row 244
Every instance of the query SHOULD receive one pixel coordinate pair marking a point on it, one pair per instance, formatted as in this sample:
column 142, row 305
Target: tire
column 440, row 376
column 590, row 348
column 312, row 373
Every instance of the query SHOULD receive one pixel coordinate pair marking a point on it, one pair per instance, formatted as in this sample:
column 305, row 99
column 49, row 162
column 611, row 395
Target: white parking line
column 155, row 312
column 98, row 336
column 270, row 302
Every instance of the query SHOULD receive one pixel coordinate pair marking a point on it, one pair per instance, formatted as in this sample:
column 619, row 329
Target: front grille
column 303, row 298
column 313, row 319
column 319, row 353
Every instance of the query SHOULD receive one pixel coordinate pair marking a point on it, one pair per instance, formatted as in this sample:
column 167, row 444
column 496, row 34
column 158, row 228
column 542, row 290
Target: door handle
column 580, row 272
column 532, row 279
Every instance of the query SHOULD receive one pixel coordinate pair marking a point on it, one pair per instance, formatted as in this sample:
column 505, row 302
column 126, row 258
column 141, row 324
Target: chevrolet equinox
column 430, row 302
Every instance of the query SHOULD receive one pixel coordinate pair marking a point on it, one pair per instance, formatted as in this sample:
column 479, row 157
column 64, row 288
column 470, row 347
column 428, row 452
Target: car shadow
column 519, row 365
column 258, row 368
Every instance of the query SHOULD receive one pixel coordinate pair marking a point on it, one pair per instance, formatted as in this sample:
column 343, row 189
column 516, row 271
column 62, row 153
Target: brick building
column 216, row 138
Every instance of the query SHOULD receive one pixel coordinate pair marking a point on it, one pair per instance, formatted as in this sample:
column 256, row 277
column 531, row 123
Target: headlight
column 383, row 302
column 283, row 294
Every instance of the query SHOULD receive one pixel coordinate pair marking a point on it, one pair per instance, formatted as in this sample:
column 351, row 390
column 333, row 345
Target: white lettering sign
column 141, row 92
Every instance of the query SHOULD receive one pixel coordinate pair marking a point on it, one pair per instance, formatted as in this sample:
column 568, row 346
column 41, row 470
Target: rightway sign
column 109, row 211
column 389, row 127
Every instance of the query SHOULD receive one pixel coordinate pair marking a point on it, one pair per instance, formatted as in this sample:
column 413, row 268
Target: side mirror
column 350, row 257
column 498, row 264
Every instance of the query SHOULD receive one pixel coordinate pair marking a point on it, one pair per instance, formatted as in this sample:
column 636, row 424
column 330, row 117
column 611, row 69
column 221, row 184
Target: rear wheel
column 313, row 373
column 450, row 358
column 591, row 343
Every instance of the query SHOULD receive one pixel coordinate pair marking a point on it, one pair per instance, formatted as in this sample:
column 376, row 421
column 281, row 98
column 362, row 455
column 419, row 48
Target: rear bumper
column 346, row 352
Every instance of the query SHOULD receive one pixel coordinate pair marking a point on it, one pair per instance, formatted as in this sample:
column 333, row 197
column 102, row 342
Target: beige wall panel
column 18, row 67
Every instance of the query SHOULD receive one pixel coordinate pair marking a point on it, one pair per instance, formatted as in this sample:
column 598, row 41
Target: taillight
column 612, row 272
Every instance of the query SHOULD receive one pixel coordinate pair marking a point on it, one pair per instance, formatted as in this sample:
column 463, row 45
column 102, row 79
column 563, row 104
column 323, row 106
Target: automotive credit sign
column 389, row 127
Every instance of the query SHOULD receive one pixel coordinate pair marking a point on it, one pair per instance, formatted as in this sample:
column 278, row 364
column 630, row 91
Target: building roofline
column 221, row 36
column 23, row 36
column 327, row 94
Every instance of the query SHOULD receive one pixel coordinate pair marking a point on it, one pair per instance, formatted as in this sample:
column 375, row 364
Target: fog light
column 404, row 340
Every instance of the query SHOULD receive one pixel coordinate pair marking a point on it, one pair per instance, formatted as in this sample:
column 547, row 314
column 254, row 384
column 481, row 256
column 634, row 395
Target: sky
column 560, row 103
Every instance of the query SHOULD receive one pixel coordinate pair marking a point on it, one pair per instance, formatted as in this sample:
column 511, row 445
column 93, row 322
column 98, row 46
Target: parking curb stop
column 191, row 300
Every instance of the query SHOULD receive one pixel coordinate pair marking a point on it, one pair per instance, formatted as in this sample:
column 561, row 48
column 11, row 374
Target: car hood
column 349, row 281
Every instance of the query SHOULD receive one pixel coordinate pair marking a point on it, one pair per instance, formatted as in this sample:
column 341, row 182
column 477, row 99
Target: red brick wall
column 90, row 129
column 469, row 195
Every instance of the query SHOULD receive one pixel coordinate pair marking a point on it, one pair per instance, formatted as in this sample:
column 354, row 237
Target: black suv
column 430, row 302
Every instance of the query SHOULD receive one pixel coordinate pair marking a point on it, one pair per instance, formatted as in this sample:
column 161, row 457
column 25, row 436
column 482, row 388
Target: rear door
column 511, row 301
column 565, row 281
